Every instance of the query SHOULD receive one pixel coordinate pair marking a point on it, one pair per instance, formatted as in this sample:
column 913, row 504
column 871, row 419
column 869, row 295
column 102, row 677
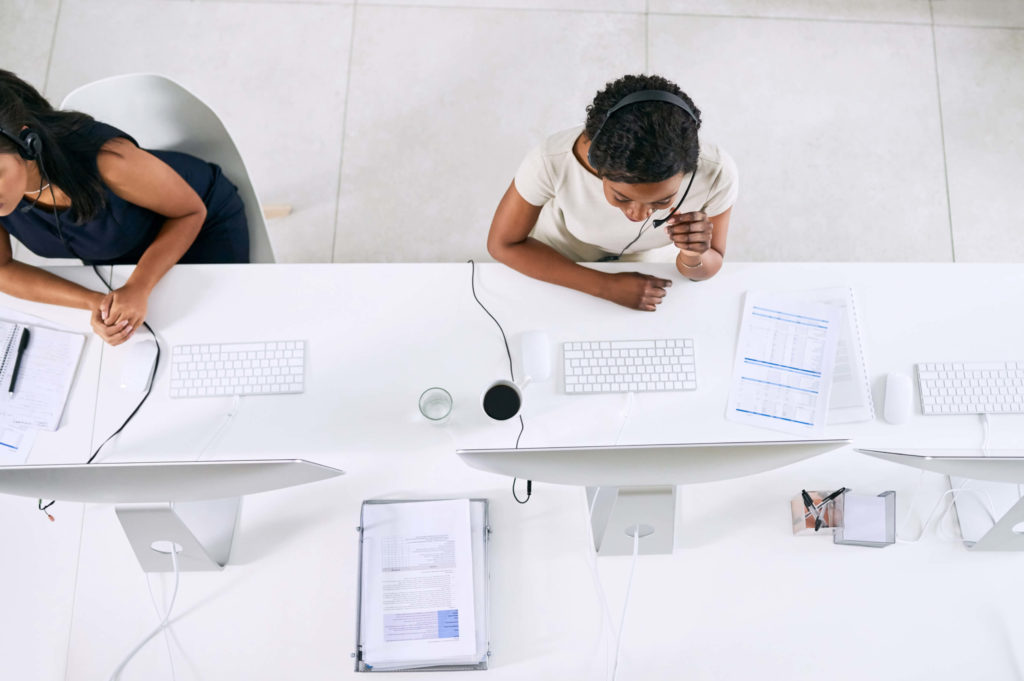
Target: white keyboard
column 971, row 387
column 629, row 366
column 210, row 370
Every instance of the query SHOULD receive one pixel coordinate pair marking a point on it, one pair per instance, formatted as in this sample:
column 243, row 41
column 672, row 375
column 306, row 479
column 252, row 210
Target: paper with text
column 784, row 363
column 418, row 592
column 44, row 379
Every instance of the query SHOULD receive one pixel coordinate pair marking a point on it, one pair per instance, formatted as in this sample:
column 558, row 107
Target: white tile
column 587, row 5
column 275, row 74
column 26, row 38
column 834, row 127
column 981, row 76
column 443, row 106
column 900, row 11
column 1000, row 13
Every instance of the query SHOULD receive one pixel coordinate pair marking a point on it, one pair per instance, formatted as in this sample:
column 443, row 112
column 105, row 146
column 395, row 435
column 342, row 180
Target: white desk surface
column 740, row 598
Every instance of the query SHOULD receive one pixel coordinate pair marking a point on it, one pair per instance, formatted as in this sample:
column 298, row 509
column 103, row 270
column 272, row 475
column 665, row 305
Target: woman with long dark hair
column 72, row 187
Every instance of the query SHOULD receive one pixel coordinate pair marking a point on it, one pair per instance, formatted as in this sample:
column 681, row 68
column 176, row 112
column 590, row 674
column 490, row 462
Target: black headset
column 634, row 98
column 28, row 142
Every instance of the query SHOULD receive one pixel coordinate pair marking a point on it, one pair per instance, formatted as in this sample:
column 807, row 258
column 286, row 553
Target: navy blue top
column 122, row 231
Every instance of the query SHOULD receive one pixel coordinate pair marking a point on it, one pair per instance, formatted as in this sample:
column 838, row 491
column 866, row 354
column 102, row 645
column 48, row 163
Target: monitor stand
column 976, row 528
column 200, row 531
column 617, row 511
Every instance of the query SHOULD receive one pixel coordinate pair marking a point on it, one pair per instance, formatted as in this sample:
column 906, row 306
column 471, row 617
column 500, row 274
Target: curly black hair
column 645, row 142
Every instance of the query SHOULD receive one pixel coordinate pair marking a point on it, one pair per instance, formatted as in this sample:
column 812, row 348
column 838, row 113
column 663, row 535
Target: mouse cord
column 156, row 363
column 511, row 371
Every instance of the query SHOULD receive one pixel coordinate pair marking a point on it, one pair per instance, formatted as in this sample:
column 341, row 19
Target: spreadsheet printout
column 785, row 358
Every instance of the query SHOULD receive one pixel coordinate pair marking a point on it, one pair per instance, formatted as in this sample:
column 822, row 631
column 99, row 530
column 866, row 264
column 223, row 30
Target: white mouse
column 137, row 370
column 899, row 398
column 536, row 355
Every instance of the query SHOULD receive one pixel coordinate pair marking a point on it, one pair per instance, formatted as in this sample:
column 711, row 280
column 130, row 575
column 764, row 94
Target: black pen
column 809, row 505
column 831, row 497
column 22, row 344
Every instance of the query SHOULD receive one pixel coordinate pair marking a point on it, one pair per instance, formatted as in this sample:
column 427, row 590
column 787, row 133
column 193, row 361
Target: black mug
column 502, row 400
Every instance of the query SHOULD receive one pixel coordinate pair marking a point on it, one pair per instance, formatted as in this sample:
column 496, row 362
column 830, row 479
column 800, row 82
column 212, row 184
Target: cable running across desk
column 511, row 372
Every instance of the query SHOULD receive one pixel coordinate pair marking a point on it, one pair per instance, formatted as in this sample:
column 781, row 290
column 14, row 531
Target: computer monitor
column 191, row 506
column 635, row 484
column 995, row 465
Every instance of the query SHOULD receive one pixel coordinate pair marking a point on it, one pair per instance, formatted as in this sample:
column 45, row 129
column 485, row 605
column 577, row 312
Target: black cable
column 107, row 285
column 511, row 371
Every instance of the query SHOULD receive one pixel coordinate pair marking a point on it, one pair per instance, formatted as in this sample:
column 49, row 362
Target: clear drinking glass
column 436, row 404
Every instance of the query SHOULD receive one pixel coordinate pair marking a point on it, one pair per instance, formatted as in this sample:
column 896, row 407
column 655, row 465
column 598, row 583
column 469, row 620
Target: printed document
column 785, row 359
column 418, row 587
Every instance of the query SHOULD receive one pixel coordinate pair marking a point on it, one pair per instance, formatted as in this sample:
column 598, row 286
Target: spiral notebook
column 45, row 374
column 850, row 399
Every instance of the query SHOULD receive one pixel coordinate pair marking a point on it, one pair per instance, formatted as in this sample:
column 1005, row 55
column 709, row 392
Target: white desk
column 742, row 598
column 39, row 558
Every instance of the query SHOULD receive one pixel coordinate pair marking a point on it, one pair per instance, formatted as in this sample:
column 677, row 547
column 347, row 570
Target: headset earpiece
column 636, row 98
column 28, row 143
column 32, row 145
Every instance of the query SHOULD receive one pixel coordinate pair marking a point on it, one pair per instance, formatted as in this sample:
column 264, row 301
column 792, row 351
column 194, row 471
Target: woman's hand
column 120, row 313
column 690, row 232
column 114, row 334
column 635, row 290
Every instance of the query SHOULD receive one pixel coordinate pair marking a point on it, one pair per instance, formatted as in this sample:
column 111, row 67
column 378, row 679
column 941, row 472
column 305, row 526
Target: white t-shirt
column 577, row 220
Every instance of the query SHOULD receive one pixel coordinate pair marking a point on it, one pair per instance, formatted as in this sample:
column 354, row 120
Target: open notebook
column 45, row 374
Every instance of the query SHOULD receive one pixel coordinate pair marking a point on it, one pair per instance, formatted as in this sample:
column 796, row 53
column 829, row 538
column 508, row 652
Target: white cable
column 625, row 603
column 985, row 430
column 958, row 491
column 236, row 401
column 160, row 627
column 606, row 611
column 626, row 411
column 167, row 634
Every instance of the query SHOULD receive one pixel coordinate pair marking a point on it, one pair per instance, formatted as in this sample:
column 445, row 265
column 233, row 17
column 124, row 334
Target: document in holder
column 785, row 358
column 44, row 377
column 850, row 399
column 422, row 586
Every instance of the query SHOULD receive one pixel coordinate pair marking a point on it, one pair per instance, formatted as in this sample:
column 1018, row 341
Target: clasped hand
column 120, row 313
column 690, row 232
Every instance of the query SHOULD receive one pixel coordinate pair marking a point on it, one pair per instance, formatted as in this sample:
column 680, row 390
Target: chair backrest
column 161, row 114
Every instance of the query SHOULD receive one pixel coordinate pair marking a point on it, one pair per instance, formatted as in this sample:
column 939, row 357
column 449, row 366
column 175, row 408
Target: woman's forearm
column 540, row 261
column 173, row 240
column 31, row 283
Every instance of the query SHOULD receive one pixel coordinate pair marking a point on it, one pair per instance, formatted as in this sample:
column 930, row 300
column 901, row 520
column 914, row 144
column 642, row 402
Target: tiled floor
column 864, row 129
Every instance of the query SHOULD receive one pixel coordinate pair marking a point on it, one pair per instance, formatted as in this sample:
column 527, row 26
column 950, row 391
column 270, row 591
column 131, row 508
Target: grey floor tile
column 981, row 77
column 275, row 73
column 443, row 110
column 900, row 11
column 999, row 13
column 585, row 5
column 26, row 38
column 834, row 127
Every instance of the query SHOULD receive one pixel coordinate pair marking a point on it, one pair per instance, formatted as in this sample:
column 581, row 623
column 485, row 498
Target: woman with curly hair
column 632, row 184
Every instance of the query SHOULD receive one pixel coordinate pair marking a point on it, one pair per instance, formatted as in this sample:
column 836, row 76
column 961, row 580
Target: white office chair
column 161, row 114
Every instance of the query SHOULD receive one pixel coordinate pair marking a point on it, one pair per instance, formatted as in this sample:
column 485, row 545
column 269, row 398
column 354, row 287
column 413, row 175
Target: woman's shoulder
column 561, row 143
column 99, row 134
column 715, row 157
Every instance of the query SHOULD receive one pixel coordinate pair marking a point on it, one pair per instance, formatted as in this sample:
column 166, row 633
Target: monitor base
column 200, row 531
column 617, row 511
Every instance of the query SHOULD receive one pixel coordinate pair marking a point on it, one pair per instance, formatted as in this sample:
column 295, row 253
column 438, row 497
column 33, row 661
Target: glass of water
column 436, row 404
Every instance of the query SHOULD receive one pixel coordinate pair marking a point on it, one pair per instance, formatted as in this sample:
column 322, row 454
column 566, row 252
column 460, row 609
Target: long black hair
column 645, row 142
column 68, row 156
